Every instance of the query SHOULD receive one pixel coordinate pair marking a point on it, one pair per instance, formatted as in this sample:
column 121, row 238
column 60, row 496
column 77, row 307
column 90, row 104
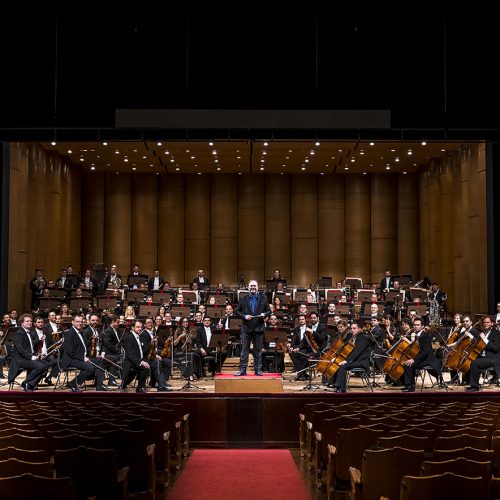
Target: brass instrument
column 54, row 347
column 115, row 281
column 40, row 282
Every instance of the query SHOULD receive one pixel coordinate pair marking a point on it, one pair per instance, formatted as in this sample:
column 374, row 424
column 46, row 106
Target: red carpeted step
column 240, row 475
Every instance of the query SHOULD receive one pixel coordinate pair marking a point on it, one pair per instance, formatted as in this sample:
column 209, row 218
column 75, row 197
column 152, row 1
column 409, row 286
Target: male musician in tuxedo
column 63, row 282
column 111, row 349
column 24, row 355
column 37, row 284
column 156, row 281
column 278, row 363
column 88, row 282
column 204, row 335
column 437, row 294
column 76, row 353
column 136, row 362
column 45, row 337
column 469, row 330
column 113, row 279
column 489, row 357
column 359, row 357
column 253, row 309
column 92, row 331
column 299, row 359
column 201, row 280
column 425, row 356
column 387, row 282
column 158, row 377
column 330, row 313
column 226, row 319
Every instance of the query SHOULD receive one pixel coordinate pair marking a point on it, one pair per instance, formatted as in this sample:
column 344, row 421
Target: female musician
column 65, row 312
column 390, row 329
column 183, row 347
column 424, row 357
column 212, row 301
column 162, row 310
column 454, row 335
column 359, row 357
column 278, row 305
column 129, row 313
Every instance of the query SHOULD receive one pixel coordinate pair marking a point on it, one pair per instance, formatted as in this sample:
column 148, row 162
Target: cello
column 339, row 351
column 399, row 353
column 458, row 352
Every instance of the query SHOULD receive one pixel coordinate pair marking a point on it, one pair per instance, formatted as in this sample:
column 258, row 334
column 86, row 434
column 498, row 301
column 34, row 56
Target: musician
column 164, row 353
column 378, row 336
column 183, row 350
column 198, row 295
column 150, row 341
column 113, row 279
column 359, row 357
column 46, row 343
column 156, row 281
column 278, row 351
column 87, row 282
column 386, row 283
column 455, row 332
column 201, row 280
column 497, row 315
column 489, row 357
column 225, row 321
column 203, row 336
column 252, row 309
column 76, row 353
column 63, row 282
column 37, row 284
column 111, row 350
column 136, row 362
column 24, row 355
column 424, row 357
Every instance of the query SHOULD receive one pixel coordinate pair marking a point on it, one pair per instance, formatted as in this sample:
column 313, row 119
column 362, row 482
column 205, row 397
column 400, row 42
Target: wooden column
column 224, row 229
column 332, row 221
column 357, row 246
column 251, row 227
column 171, row 228
column 384, row 209
column 145, row 222
column 304, row 225
column 197, row 219
column 117, row 222
column 277, row 222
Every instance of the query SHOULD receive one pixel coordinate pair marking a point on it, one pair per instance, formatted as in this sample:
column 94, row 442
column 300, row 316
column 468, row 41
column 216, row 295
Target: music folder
column 218, row 337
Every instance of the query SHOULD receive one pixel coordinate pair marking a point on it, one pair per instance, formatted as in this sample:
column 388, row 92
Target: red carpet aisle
column 239, row 475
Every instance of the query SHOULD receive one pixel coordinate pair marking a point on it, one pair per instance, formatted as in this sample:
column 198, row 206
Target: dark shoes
column 102, row 389
column 48, row 381
column 258, row 373
column 472, row 389
column 240, row 373
column 340, row 390
column 408, row 389
column 28, row 388
column 74, row 387
column 141, row 390
column 112, row 383
column 163, row 388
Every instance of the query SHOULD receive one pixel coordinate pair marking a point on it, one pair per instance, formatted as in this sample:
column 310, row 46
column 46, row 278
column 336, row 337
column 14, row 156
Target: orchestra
column 406, row 326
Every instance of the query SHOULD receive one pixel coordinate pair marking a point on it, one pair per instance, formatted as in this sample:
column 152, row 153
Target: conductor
column 252, row 309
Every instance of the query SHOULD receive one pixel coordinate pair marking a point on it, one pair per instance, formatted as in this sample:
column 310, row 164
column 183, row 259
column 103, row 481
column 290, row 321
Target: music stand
column 189, row 296
column 135, row 295
column 220, row 299
column 162, row 297
column 107, row 303
column 75, row 304
column 57, row 293
column 325, row 281
column 391, row 295
column 365, row 295
column 215, row 312
column 46, row 304
column 354, row 283
column 333, row 294
column 420, row 293
column 300, row 296
column 189, row 363
column 310, row 386
column 242, row 293
column 218, row 340
column 180, row 311
column 279, row 336
column 271, row 284
column 343, row 309
column 148, row 310
column 133, row 280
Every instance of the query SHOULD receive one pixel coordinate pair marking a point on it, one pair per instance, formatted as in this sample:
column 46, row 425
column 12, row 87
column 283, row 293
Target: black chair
column 361, row 373
column 436, row 380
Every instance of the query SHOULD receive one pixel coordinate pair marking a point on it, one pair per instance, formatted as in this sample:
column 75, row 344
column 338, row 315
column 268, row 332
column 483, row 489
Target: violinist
column 424, row 357
column 150, row 339
column 165, row 346
column 111, row 349
column 204, row 335
column 489, row 357
column 359, row 357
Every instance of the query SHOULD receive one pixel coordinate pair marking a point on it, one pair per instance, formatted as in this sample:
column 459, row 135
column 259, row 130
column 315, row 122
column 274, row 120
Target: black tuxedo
column 22, row 354
column 75, row 352
column 425, row 357
column 133, row 358
column 490, row 357
column 151, row 283
column 359, row 357
column 383, row 283
column 93, row 284
column 108, row 279
column 215, row 359
column 204, row 284
column 111, row 349
column 252, row 329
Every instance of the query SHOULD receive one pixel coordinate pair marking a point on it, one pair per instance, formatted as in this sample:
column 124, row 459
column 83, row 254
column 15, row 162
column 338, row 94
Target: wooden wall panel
column 384, row 250
column 357, row 246
column 332, row 220
column 224, row 230
column 145, row 222
column 408, row 225
column 251, row 227
column 171, row 228
column 197, row 220
column 92, row 219
column 277, row 236
column 117, row 222
column 304, row 229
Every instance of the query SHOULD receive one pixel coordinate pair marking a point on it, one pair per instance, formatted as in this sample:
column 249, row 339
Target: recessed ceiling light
column 404, row 173
column 372, row 144
column 69, row 151
column 387, row 168
column 262, row 168
column 104, row 143
column 423, row 143
column 410, row 152
column 266, row 144
column 317, row 143
column 158, row 143
column 364, row 173
column 303, row 168
column 92, row 168
column 218, row 168
column 53, row 143
column 134, row 169
column 199, row 173
column 177, row 168
column 346, row 168
column 210, row 143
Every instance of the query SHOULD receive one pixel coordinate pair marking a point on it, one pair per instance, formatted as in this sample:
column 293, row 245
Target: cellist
column 359, row 357
column 490, row 356
column 424, row 357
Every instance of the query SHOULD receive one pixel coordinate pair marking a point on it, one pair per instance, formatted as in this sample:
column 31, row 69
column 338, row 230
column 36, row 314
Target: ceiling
column 244, row 157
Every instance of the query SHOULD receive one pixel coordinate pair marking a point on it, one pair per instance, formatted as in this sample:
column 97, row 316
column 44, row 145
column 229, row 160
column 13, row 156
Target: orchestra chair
column 363, row 374
column 63, row 377
column 348, row 452
column 447, row 486
column 462, row 467
column 31, row 487
column 435, row 381
column 94, row 472
column 25, row 455
column 484, row 378
column 15, row 467
column 381, row 472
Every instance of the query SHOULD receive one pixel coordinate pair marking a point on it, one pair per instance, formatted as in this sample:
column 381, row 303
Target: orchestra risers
column 268, row 383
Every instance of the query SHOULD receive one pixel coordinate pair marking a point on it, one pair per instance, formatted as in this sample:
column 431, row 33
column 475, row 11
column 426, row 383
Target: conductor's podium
column 268, row 383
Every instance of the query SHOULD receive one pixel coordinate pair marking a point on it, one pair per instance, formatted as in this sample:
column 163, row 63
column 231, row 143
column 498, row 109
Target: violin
column 167, row 348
